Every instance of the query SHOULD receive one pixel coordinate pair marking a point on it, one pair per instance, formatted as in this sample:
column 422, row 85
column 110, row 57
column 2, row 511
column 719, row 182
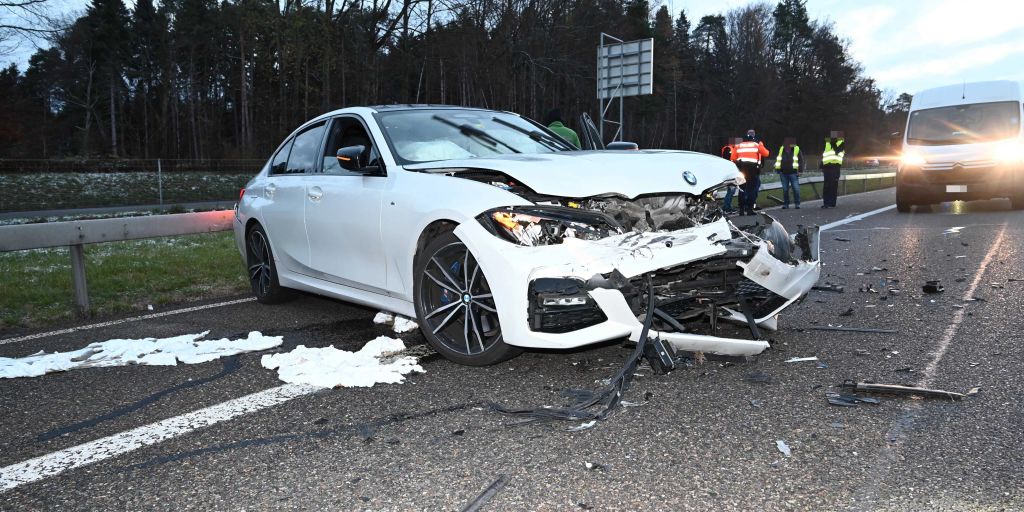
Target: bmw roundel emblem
column 689, row 177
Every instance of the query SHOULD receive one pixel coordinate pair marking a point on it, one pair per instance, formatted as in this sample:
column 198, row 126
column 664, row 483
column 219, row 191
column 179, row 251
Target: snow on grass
column 398, row 323
column 329, row 367
column 187, row 349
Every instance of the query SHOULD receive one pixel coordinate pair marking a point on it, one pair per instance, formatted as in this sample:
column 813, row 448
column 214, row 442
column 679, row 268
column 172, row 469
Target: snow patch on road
column 398, row 323
column 329, row 367
column 187, row 349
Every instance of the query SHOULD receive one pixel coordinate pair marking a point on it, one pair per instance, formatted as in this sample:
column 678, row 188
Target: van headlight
column 546, row 225
column 1009, row 153
column 912, row 160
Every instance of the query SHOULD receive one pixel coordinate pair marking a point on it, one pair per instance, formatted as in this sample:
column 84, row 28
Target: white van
column 963, row 142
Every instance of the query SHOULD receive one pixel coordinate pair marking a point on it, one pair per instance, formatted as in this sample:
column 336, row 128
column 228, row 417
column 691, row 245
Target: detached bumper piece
column 562, row 305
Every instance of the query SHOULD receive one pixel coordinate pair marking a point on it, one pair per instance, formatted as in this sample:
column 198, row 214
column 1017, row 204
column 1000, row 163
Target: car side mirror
column 350, row 158
column 622, row 145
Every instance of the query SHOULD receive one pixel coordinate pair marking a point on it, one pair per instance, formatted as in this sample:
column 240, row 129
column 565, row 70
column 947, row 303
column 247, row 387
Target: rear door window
column 305, row 150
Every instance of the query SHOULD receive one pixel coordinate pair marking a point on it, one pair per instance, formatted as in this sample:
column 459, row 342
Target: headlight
column 546, row 225
column 913, row 160
column 1010, row 152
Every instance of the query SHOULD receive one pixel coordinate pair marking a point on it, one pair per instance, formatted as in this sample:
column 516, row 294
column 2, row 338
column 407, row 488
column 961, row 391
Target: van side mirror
column 896, row 141
column 622, row 145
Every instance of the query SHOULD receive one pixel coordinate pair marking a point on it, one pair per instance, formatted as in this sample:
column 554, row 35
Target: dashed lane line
column 149, row 316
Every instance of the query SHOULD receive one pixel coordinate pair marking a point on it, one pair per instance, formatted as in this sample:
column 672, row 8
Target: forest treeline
column 201, row 79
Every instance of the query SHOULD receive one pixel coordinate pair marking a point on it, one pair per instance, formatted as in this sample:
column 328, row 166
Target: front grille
column 566, row 320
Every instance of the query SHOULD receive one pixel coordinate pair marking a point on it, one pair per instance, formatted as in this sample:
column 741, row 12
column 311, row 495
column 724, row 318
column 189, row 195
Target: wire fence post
column 159, row 181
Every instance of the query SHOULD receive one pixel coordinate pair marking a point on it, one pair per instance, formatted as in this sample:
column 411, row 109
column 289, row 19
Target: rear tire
column 454, row 305
column 262, row 270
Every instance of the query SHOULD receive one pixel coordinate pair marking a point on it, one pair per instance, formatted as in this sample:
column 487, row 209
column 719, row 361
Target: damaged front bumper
column 582, row 292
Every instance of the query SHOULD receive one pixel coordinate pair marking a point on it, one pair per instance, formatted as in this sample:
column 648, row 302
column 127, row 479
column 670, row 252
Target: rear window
column 964, row 124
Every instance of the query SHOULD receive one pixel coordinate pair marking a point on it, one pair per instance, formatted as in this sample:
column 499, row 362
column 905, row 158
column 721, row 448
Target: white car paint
column 357, row 237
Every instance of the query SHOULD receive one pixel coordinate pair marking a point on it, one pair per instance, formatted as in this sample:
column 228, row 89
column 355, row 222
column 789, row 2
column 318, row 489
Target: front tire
column 903, row 202
column 454, row 305
column 262, row 269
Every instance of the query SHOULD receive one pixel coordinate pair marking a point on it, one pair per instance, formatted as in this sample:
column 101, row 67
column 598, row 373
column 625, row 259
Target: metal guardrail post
column 78, row 279
column 814, row 187
column 159, row 181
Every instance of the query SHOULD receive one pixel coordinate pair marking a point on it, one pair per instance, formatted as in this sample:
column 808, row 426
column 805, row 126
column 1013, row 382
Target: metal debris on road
column 852, row 329
column 783, row 447
column 896, row 389
column 486, row 496
column 799, row 359
column 934, row 286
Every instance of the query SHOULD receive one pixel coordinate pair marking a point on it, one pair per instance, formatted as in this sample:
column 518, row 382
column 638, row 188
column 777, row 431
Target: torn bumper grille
column 562, row 296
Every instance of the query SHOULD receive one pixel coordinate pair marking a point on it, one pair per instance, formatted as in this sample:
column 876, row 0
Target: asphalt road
column 704, row 437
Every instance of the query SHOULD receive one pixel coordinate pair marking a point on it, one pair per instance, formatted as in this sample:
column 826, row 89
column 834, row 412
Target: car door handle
column 269, row 190
column 315, row 194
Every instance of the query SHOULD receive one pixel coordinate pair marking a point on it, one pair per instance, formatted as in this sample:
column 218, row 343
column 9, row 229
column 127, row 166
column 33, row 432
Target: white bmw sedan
column 496, row 234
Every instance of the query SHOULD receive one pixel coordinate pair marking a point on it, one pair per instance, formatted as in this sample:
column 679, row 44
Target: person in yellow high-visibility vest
column 787, row 164
column 831, row 165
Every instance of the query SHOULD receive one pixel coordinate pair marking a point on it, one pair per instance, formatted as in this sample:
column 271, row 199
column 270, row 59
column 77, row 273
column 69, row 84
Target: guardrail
column 75, row 234
column 843, row 180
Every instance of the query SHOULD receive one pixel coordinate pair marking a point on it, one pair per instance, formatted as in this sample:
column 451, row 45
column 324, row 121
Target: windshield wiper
column 473, row 131
column 537, row 135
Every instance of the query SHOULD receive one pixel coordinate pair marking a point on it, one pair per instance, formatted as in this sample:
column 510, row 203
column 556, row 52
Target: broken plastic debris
column 845, row 400
column 822, row 365
column 187, row 349
column 934, row 286
column 828, row 287
column 799, row 359
column 593, row 466
column 583, row 426
column 329, row 367
column 783, row 447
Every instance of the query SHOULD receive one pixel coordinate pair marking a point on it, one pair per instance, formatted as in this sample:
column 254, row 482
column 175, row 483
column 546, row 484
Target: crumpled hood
column 593, row 173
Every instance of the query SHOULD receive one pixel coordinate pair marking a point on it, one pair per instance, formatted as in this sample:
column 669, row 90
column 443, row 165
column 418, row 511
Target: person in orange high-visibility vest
column 748, row 156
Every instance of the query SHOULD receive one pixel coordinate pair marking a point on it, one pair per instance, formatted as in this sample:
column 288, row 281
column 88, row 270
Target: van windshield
column 964, row 124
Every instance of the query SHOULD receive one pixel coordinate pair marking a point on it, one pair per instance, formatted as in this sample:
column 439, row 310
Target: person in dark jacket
column 555, row 123
column 788, row 164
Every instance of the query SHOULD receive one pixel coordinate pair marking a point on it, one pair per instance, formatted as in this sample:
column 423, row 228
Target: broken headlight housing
column 546, row 225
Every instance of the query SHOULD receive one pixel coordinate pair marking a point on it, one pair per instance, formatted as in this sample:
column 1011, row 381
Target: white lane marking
column 855, row 218
column 118, row 444
column 905, row 422
column 69, row 330
column 958, row 315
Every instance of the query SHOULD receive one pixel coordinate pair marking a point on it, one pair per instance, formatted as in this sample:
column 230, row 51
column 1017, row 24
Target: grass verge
column 35, row 286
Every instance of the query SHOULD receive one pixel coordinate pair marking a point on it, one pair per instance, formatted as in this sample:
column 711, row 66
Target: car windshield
column 963, row 124
column 427, row 135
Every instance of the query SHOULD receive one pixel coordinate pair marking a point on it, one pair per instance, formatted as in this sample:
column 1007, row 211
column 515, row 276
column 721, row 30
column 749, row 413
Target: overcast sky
column 909, row 45
column 906, row 45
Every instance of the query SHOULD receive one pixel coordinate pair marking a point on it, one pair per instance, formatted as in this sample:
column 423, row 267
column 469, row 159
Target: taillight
column 240, row 194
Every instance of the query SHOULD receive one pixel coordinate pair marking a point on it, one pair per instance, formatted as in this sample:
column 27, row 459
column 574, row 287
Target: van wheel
column 903, row 204
column 1017, row 202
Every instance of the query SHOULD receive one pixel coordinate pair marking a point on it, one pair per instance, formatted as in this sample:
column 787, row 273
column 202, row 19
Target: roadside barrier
column 75, row 234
